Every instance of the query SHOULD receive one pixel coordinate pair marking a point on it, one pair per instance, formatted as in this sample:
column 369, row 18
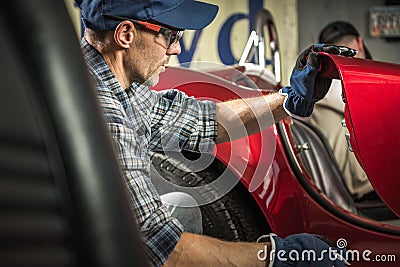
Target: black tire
column 234, row 217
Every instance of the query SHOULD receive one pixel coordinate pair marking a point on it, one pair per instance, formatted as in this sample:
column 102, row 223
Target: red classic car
column 285, row 179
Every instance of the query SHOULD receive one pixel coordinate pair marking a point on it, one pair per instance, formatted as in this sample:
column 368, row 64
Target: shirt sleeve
column 182, row 122
column 159, row 230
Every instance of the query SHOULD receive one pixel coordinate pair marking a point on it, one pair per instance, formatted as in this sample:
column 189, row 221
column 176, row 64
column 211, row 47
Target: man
column 127, row 44
column 329, row 112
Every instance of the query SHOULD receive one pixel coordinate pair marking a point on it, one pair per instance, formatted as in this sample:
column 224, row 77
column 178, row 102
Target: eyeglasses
column 171, row 36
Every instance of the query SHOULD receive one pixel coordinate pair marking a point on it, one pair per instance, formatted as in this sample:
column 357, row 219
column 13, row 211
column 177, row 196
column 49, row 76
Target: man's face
column 148, row 57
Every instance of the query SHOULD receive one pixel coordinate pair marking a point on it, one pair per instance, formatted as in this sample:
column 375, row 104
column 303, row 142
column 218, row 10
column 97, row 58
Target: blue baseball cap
column 179, row 14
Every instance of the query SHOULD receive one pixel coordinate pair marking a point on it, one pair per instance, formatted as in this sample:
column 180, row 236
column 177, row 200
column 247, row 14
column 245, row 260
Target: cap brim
column 190, row 15
column 366, row 51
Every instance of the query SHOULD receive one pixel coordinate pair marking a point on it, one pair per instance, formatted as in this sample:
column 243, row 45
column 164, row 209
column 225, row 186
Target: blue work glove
column 303, row 250
column 306, row 85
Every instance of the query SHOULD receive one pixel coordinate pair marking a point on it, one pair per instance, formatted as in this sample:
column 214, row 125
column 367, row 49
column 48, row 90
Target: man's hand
column 306, row 85
column 302, row 250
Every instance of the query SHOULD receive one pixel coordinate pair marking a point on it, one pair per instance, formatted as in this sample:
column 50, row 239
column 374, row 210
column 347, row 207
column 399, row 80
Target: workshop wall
column 224, row 39
column 298, row 23
column 314, row 15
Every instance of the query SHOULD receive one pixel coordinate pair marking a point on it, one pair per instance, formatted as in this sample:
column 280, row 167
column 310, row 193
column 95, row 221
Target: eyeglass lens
column 171, row 37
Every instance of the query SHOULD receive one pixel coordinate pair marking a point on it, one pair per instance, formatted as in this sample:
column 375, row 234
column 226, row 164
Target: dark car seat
column 319, row 161
column 62, row 197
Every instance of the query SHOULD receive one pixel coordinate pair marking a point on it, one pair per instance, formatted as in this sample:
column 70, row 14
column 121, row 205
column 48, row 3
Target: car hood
column 371, row 92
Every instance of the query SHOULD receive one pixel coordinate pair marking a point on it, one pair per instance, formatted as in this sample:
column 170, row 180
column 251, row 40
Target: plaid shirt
column 141, row 120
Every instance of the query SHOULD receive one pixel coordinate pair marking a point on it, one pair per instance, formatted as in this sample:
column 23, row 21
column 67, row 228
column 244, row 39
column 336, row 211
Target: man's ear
column 360, row 44
column 124, row 34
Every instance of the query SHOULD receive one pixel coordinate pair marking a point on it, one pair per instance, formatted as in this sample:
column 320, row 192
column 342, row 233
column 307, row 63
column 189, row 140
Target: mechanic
column 329, row 113
column 126, row 45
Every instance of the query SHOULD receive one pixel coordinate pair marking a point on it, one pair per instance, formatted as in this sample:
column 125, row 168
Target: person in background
column 126, row 45
column 329, row 112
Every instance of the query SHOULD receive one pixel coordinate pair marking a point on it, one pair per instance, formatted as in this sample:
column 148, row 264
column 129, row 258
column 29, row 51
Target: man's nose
column 174, row 49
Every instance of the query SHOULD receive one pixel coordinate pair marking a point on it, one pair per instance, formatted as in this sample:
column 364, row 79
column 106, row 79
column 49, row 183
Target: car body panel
column 371, row 91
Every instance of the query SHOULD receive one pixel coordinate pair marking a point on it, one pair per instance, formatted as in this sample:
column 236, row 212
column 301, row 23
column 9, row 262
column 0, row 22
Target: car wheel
column 233, row 217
